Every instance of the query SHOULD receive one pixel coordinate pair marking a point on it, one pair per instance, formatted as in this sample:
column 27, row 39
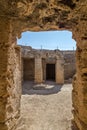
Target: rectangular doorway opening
column 28, row 69
column 50, row 72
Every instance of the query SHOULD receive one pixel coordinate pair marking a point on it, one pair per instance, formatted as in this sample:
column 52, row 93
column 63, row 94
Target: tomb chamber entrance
column 50, row 72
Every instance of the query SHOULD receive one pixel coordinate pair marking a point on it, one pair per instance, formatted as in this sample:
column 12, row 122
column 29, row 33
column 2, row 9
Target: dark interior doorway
column 50, row 72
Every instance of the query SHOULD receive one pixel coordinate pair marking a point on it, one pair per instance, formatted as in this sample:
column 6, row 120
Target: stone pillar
column 59, row 71
column 38, row 70
column 79, row 94
column 22, row 72
column 10, row 77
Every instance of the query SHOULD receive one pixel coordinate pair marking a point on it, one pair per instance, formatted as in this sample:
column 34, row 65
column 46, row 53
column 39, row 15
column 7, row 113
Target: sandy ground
column 46, row 107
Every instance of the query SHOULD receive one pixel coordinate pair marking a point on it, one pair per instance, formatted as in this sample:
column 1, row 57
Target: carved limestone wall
column 49, row 57
column 28, row 69
column 17, row 16
column 10, row 78
column 69, row 64
column 43, row 58
column 79, row 94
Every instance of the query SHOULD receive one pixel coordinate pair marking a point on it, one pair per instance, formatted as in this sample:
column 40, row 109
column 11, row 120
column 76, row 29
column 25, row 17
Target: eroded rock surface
column 17, row 16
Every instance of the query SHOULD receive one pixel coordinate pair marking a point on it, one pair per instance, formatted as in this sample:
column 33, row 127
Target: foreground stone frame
column 10, row 78
column 19, row 16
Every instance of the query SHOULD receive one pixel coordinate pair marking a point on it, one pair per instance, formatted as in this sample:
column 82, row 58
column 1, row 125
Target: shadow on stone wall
column 73, row 126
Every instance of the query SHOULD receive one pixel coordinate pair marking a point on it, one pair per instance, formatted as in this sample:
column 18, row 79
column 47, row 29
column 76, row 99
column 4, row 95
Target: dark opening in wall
column 50, row 72
column 28, row 69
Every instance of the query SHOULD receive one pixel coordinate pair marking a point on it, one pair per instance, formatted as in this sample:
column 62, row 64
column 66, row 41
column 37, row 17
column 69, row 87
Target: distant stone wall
column 17, row 16
column 69, row 64
column 28, row 69
column 65, row 58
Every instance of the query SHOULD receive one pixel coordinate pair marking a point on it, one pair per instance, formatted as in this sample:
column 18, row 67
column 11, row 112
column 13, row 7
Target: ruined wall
column 42, row 58
column 17, row 16
column 10, row 77
column 69, row 61
column 69, row 64
column 28, row 69
column 79, row 94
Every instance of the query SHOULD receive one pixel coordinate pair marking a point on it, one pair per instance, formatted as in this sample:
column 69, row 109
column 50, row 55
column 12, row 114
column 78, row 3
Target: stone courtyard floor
column 46, row 106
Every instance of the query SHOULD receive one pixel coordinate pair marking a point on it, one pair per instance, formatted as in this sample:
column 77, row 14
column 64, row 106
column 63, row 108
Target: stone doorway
column 50, row 72
column 28, row 69
column 18, row 16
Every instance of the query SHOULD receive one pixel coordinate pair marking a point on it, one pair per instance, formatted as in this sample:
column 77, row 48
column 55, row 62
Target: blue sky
column 48, row 40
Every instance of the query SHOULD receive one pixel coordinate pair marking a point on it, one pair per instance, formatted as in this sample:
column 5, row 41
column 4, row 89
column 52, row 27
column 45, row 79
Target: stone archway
column 22, row 15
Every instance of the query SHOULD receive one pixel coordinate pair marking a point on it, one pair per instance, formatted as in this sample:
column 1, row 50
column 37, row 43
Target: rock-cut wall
column 17, row 16
column 69, row 64
column 28, row 56
column 10, row 78
column 28, row 69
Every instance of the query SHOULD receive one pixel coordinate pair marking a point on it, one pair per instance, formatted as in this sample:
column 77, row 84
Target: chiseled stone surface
column 38, row 70
column 69, row 64
column 17, row 16
column 28, row 69
column 10, row 78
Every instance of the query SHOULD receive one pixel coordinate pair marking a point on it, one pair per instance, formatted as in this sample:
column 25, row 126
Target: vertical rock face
column 38, row 70
column 10, row 78
column 80, row 80
column 69, row 64
column 59, row 71
column 17, row 16
column 28, row 69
